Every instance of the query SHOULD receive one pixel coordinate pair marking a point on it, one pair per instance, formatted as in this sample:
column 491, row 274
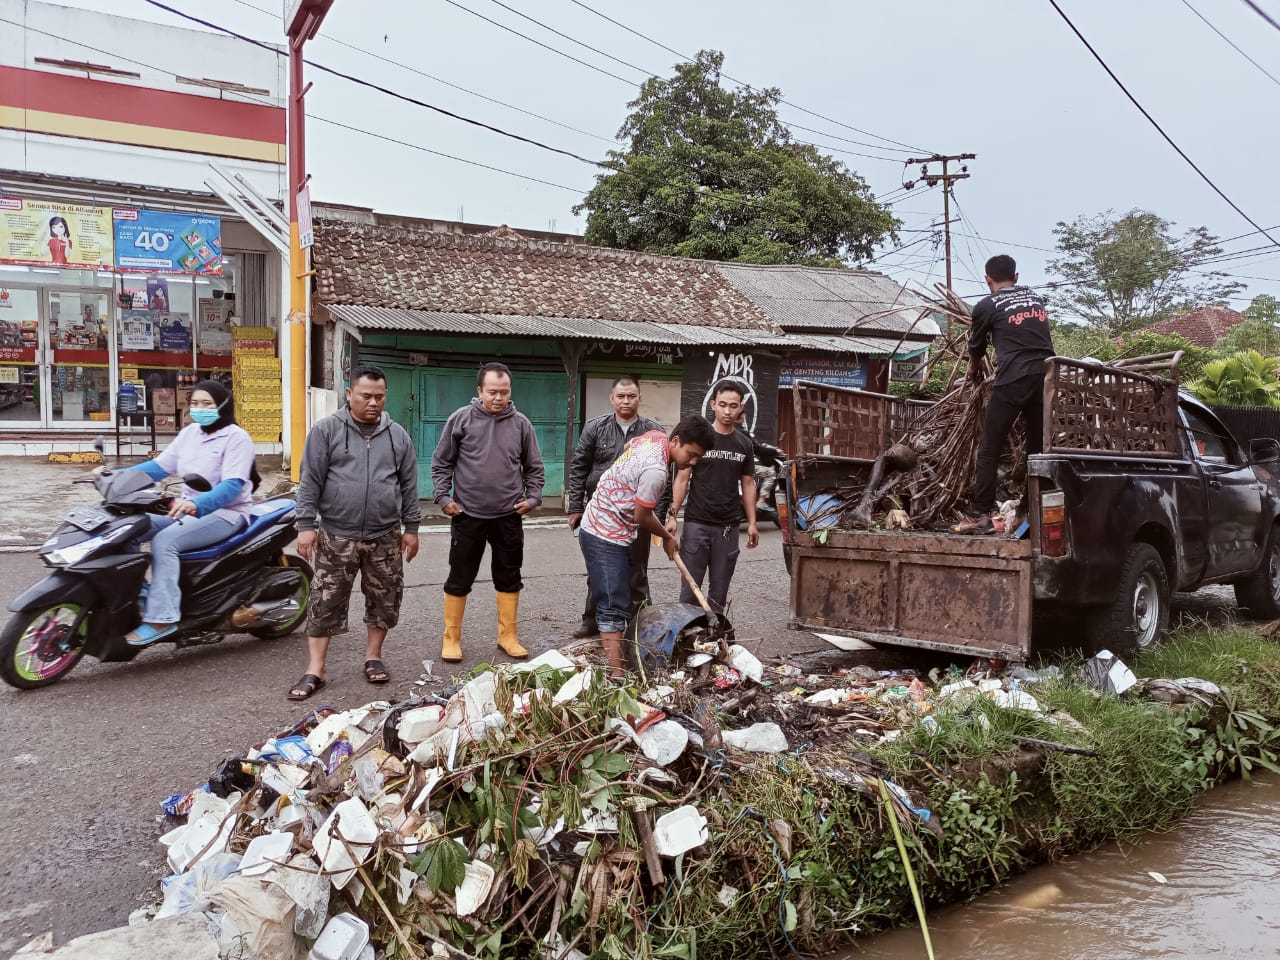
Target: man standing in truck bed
column 1013, row 318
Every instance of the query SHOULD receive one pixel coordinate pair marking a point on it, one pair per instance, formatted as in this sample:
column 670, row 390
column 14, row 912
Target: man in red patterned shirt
column 622, row 509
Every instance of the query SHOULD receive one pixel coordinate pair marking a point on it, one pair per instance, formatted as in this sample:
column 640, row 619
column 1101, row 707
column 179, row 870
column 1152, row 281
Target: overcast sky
column 1008, row 81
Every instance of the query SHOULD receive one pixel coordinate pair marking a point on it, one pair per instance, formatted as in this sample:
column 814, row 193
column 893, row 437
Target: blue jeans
column 168, row 539
column 609, row 574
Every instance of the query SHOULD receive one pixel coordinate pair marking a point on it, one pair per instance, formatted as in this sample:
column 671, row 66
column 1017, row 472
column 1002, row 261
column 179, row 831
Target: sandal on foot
column 375, row 672
column 147, row 634
column 975, row 526
column 305, row 687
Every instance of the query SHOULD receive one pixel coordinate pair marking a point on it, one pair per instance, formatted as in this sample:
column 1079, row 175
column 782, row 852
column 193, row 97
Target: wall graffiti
column 737, row 368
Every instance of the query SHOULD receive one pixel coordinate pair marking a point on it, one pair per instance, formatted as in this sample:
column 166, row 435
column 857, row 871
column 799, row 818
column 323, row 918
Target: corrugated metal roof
column 571, row 328
column 815, row 298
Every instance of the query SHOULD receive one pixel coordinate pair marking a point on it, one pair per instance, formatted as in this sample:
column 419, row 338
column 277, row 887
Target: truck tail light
column 1053, row 523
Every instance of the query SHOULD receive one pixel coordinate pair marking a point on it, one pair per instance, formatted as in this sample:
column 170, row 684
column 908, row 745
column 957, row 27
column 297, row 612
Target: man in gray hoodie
column 487, row 474
column 357, row 511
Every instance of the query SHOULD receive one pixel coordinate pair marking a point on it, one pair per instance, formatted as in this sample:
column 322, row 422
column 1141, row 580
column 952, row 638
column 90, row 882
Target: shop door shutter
column 401, row 407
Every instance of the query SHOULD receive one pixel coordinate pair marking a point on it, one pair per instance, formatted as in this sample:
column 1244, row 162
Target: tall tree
column 1122, row 273
column 1260, row 330
column 713, row 173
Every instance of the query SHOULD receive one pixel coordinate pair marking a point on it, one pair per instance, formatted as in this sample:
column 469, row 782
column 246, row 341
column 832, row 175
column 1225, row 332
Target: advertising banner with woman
column 35, row 232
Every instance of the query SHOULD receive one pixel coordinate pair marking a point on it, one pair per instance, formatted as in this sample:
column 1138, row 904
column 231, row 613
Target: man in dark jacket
column 599, row 445
column 357, row 511
column 1014, row 319
column 487, row 473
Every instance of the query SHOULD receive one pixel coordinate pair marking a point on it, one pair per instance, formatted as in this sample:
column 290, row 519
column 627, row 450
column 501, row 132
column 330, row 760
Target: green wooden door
column 402, row 407
column 542, row 397
column 439, row 392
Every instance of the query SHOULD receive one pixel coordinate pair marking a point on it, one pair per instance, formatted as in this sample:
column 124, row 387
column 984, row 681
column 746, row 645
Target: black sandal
column 375, row 671
column 305, row 687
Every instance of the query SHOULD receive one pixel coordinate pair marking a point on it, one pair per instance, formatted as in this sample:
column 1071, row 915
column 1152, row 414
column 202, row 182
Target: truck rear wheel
column 1260, row 594
column 1140, row 612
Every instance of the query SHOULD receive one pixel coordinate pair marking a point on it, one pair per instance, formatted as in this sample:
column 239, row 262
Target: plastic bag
column 184, row 892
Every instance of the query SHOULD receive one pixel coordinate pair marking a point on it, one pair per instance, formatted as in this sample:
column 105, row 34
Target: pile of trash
column 545, row 810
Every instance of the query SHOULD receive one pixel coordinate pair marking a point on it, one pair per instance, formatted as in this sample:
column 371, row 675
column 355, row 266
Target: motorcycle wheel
column 302, row 596
column 37, row 647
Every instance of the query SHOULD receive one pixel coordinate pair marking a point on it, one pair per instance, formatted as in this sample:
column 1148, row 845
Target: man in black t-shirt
column 720, row 487
column 1013, row 318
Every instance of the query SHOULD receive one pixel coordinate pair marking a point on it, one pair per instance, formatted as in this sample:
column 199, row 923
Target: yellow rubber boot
column 508, row 604
column 454, row 608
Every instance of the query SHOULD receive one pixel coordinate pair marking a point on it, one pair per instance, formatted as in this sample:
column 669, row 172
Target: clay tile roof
column 403, row 267
column 509, row 233
column 1203, row 326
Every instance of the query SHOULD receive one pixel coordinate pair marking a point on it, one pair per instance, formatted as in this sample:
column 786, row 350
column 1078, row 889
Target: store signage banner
column 158, row 242
column 54, row 233
column 833, row 371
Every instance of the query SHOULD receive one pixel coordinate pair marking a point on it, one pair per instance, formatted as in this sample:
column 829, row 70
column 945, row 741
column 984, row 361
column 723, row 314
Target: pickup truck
column 1113, row 531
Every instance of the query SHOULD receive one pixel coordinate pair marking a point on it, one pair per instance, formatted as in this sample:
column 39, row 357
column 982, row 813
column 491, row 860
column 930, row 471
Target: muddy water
column 1221, row 899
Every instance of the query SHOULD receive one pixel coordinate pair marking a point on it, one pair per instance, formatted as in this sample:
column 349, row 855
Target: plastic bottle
column 127, row 399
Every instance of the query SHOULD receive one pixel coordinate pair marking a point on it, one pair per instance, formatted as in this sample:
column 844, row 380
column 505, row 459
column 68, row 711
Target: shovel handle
column 697, row 591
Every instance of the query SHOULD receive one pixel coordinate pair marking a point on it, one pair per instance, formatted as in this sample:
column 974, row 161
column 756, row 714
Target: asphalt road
column 90, row 757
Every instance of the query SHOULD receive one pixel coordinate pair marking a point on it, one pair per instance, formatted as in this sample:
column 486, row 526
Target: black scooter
column 91, row 599
column 769, row 477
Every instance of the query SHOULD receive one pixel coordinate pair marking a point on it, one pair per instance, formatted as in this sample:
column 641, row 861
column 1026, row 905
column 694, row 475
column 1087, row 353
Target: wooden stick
column 697, row 591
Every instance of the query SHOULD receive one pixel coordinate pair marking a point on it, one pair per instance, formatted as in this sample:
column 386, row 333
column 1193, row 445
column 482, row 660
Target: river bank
column 957, row 784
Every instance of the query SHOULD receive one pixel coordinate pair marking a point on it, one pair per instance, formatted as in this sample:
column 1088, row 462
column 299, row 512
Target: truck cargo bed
column 964, row 595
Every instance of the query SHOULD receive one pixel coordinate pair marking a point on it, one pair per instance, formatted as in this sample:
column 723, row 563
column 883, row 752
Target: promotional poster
column 161, row 242
column 49, row 233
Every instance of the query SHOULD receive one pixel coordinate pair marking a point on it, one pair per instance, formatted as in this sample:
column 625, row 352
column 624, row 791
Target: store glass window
column 80, row 374
column 19, row 348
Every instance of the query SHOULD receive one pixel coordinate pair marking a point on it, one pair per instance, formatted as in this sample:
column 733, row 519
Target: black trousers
column 468, row 537
column 1021, row 398
column 639, row 577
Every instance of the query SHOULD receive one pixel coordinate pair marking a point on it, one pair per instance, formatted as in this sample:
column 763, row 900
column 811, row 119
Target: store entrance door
column 79, row 362
column 21, row 351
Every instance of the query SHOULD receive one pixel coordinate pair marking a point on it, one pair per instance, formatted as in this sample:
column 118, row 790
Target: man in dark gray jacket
column 357, row 511
column 599, row 444
column 487, row 473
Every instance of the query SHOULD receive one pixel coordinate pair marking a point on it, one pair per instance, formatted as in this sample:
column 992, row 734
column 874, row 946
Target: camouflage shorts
column 381, row 567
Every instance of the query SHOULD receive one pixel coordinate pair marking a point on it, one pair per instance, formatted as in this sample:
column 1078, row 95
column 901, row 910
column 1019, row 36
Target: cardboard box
column 163, row 401
column 166, row 423
column 183, row 400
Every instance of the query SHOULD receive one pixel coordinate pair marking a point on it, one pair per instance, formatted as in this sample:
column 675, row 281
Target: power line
column 1262, row 13
column 795, row 106
column 422, row 73
column 373, row 86
column 1159, row 129
column 545, row 46
column 447, row 156
column 1264, row 70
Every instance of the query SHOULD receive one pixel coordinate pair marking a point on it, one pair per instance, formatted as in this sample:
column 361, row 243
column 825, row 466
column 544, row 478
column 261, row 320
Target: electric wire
column 1262, row 13
column 364, row 51
column 1159, row 129
column 795, row 106
column 1267, row 73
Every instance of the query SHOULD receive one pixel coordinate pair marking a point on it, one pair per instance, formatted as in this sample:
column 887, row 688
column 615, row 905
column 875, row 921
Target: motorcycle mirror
column 197, row 482
column 100, row 443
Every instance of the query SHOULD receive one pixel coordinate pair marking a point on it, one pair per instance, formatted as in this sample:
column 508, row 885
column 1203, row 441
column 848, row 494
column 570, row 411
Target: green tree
column 1247, row 378
column 1123, row 273
column 1077, row 340
column 713, row 173
column 1260, row 331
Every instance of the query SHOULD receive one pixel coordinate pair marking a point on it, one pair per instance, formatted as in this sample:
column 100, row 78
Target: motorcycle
column 769, row 474
column 93, row 595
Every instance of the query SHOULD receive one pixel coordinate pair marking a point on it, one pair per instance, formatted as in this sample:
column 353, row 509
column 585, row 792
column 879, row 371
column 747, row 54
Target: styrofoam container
column 418, row 725
column 664, row 742
column 680, row 831
column 265, row 852
column 360, row 832
column 344, row 937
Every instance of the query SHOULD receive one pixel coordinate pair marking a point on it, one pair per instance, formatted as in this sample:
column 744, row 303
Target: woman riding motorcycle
column 216, row 448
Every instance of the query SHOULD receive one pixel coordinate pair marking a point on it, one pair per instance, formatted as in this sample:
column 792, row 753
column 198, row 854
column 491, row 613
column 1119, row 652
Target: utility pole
column 945, row 178
column 301, row 23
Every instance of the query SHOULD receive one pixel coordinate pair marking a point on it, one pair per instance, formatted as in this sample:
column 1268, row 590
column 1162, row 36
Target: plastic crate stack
column 256, row 383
